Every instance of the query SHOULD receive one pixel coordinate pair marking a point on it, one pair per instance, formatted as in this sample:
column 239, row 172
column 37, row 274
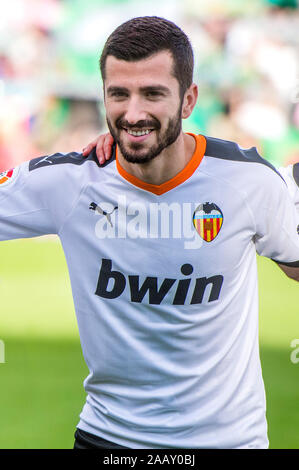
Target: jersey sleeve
column 276, row 219
column 35, row 199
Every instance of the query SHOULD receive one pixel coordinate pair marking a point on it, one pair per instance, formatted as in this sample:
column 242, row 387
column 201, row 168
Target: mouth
column 138, row 135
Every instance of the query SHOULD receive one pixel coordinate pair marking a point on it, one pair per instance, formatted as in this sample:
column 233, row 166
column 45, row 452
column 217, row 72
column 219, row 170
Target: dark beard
column 169, row 137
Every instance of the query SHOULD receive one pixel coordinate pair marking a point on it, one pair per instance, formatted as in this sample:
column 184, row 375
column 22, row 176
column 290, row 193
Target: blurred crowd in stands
column 247, row 68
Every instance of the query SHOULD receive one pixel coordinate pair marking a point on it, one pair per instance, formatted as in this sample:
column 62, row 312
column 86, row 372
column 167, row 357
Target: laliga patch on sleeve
column 7, row 177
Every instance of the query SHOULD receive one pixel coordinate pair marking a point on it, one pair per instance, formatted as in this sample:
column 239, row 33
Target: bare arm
column 291, row 272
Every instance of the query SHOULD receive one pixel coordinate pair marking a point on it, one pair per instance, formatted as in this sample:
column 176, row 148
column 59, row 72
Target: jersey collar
column 178, row 179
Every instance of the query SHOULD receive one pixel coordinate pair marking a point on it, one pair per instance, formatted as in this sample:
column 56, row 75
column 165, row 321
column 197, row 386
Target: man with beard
column 161, row 245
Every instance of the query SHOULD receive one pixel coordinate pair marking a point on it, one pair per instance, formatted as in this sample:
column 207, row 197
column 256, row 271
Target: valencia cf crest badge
column 208, row 220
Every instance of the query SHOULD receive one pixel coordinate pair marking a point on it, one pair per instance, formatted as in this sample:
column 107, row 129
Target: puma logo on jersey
column 56, row 159
column 112, row 284
column 93, row 206
column 45, row 159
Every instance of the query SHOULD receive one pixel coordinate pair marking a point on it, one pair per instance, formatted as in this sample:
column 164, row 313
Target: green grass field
column 42, row 393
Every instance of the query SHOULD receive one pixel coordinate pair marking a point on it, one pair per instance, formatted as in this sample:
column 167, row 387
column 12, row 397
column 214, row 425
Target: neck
column 166, row 165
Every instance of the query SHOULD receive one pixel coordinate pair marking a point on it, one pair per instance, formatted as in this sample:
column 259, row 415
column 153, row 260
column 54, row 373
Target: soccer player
column 161, row 245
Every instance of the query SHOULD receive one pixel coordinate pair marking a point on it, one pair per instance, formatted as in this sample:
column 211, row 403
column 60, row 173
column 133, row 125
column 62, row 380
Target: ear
column 189, row 101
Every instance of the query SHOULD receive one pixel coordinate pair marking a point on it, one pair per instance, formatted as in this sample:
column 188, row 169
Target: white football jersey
column 164, row 281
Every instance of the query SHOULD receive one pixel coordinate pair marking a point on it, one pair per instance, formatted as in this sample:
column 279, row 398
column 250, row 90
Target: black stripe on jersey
column 296, row 173
column 72, row 157
column 295, row 264
column 227, row 150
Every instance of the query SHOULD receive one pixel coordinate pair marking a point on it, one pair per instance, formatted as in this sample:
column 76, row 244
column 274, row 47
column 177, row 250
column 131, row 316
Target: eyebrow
column 146, row 89
column 161, row 88
column 113, row 89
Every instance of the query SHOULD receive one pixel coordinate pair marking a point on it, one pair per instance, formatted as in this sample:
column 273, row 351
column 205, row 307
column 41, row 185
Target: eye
column 153, row 94
column 119, row 94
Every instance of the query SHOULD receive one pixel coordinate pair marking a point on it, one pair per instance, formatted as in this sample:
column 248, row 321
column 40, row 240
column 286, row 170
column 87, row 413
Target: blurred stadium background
column 247, row 58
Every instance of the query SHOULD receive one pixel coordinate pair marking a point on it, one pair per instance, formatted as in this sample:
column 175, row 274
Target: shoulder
column 71, row 168
column 55, row 173
column 246, row 161
column 72, row 158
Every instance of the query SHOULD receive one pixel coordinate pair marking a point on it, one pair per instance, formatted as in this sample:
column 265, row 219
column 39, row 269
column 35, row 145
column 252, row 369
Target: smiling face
column 143, row 105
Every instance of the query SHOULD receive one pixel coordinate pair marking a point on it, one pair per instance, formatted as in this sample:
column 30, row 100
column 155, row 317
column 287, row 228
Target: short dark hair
column 144, row 36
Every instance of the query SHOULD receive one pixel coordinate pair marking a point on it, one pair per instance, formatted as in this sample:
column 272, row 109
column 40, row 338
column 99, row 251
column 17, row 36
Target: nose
column 135, row 111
